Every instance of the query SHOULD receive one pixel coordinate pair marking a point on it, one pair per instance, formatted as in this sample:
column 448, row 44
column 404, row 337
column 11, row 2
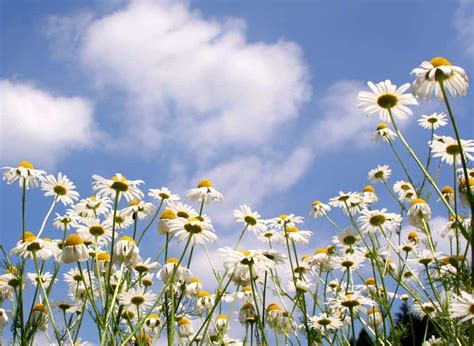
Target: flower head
column 61, row 188
column 24, row 172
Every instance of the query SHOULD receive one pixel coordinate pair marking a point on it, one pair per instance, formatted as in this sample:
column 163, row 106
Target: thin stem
column 47, row 216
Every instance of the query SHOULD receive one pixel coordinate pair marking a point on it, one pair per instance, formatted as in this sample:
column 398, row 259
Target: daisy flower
column 419, row 212
column 183, row 210
column 386, row 98
column 194, row 287
column 348, row 261
column 118, row 184
column 352, row 300
column 285, row 219
column 350, row 203
column 4, row 319
column 268, row 235
column 239, row 262
column 425, row 257
column 274, row 256
column 374, row 318
column 138, row 297
column 274, row 315
column 299, row 285
column 204, row 301
column 383, row 133
column 319, row 209
column 164, row 194
column 94, row 229
column 463, row 307
column 74, row 250
column 204, row 193
column 380, row 174
column 252, row 219
column 434, row 341
column 429, row 73
column 164, row 222
column 200, row 232
column 293, row 233
column 25, row 170
column 126, row 251
column 123, row 219
column 347, row 237
column 61, row 188
column 324, row 323
column 45, row 279
column 153, row 321
column 185, row 329
column 448, row 194
column 140, row 209
column 143, row 267
column 432, row 121
column 93, row 206
column 402, row 187
column 426, row 309
column 181, row 274
column 369, row 195
column 448, row 150
column 66, row 222
column 39, row 317
column 74, row 278
column 374, row 220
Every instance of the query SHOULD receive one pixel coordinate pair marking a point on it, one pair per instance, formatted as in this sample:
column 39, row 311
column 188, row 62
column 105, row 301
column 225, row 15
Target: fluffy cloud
column 250, row 179
column 42, row 127
column 189, row 79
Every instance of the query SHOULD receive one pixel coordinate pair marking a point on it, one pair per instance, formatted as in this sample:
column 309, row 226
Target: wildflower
column 118, row 185
column 383, row 133
column 4, row 319
column 413, row 237
column 463, row 186
column 123, row 219
column 76, row 280
column 183, row 210
column 247, row 314
column 283, row 220
column 239, row 262
column 448, row 194
column 221, row 323
column 274, row 315
column 93, row 230
column 45, row 279
column 374, row 220
column 204, row 193
column 181, row 274
column 425, row 257
column 61, row 188
column 419, row 212
column 268, row 235
column 39, row 317
column 28, row 174
column 66, row 222
column 319, row 209
column 429, row 73
column 322, row 260
column 354, row 301
column 204, row 301
column 93, row 206
column 126, row 251
column 164, row 222
column 294, row 234
column 153, row 321
column 380, row 174
column 432, row 121
column 434, row 341
column 32, row 246
column 200, row 232
column 374, row 317
column 164, row 194
column 449, row 151
column 405, row 190
column 138, row 297
column 384, row 98
column 299, row 285
column 143, row 267
column 463, row 307
column 140, row 209
column 369, row 196
column 407, row 246
column 351, row 202
column 274, row 256
column 185, row 330
column 348, row 237
column 324, row 323
column 426, row 309
column 346, row 262
column 252, row 219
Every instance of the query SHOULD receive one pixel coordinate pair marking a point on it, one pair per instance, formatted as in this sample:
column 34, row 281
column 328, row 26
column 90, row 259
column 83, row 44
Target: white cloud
column 464, row 24
column 251, row 179
column 189, row 79
column 40, row 126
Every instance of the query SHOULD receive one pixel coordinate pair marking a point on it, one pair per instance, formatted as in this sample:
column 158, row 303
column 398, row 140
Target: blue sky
column 259, row 96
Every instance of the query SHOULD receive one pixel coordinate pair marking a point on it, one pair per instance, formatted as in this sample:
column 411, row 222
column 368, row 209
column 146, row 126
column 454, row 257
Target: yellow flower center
column 172, row 260
column 369, row 188
column 440, row 61
column 283, row 216
column 73, row 240
column 250, row 220
column 377, row 220
column 103, row 256
column 96, row 230
column 316, row 203
column 412, row 235
column 127, row 238
column 26, row 164
column 204, row 183
column 370, row 282
column 195, row 280
column 321, row 250
column 222, row 317
column 292, row 229
column 447, row 190
column 137, row 300
column 119, row 184
column 204, row 294
column 168, row 214
column 373, row 310
column 40, row 308
column 387, row 101
column 246, row 253
column 134, row 202
column 382, row 126
column 183, row 321
column 273, row 307
column 29, row 237
column 453, row 149
column 418, row 201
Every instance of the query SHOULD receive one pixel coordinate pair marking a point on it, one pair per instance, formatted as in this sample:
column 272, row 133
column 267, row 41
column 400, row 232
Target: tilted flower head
column 74, row 249
column 204, row 193
column 239, row 262
column 383, row 133
column 293, row 233
column 432, row 121
column 126, row 250
column 431, row 309
column 24, row 172
column 319, row 209
column 369, row 196
column 430, row 73
column 93, row 229
column 251, row 219
column 204, row 301
column 172, row 269
column 447, row 148
column 40, row 317
column 289, row 220
column 61, row 188
column 462, row 306
column 164, row 194
column 324, row 323
column 419, row 212
column 375, row 220
column 123, row 219
column 140, row 209
column 380, row 174
column 351, row 202
column 93, row 206
column 386, row 97
column 353, row 300
column 137, row 297
column 66, row 222
column 118, row 184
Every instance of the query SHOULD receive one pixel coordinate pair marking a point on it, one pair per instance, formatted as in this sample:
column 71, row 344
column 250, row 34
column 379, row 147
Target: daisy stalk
column 47, row 216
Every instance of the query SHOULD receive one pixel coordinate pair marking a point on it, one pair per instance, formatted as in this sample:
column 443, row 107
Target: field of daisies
column 372, row 285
